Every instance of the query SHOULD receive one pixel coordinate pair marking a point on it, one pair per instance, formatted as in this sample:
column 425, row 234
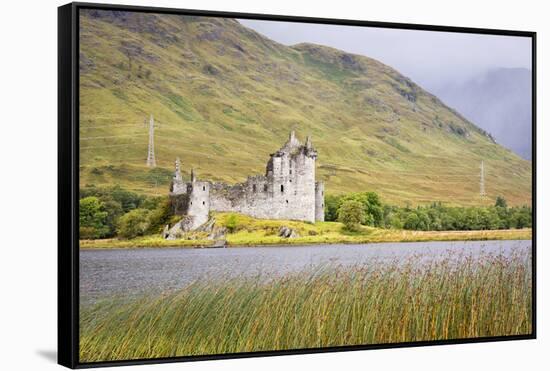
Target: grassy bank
column 361, row 305
column 252, row 232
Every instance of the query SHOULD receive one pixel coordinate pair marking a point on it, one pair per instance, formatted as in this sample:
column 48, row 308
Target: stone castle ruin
column 288, row 190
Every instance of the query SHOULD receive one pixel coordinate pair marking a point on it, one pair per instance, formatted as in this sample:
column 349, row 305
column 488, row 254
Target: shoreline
column 305, row 245
column 375, row 236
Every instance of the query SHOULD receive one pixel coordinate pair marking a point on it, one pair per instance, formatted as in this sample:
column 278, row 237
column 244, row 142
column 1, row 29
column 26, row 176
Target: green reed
column 369, row 304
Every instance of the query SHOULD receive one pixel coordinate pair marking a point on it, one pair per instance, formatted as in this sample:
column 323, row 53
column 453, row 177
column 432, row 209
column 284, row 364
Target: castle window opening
column 204, row 188
column 254, row 188
column 287, row 201
column 282, row 188
column 265, row 187
column 203, row 202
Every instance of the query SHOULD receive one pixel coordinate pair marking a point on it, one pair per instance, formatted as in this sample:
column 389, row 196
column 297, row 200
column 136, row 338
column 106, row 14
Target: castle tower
column 177, row 186
column 291, row 177
column 177, row 172
column 319, row 202
column 199, row 200
column 292, row 140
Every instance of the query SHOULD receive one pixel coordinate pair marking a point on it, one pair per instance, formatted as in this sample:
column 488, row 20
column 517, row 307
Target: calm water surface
column 131, row 272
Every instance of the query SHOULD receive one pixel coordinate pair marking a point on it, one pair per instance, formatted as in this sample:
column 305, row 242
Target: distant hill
column 226, row 97
column 499, row 101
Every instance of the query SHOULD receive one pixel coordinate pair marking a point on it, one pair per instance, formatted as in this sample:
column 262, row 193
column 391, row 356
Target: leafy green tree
column 332, row 203
column 351, row 214
column 423, row 219
column 411, row 221
column 231, row 223
column 92, row 218
column 501, row 202
column 521, row 217
column 134, row 223
column 160, row 215
column 128, row 200
column 114, row 211
column 395, row 222
column 372, row 207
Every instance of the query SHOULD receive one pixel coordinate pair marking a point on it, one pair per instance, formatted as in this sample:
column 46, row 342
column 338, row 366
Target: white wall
column 28, row 243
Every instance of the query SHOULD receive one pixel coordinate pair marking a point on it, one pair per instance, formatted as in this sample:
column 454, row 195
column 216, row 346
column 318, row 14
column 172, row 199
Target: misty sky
column 427, row 57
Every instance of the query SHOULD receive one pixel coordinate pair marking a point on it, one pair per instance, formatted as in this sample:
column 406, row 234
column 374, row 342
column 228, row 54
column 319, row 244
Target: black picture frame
column 68, row 180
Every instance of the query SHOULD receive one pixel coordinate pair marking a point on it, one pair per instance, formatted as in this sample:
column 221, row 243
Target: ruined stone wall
column 288, row 192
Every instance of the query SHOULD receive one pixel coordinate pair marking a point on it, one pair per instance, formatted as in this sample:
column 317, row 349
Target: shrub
column 134, row 223
column 231, row 223
column 501, row 202
column 332, row 203
column 92, row 218
column 351, row 214
column 373, row 209
column 160, row 215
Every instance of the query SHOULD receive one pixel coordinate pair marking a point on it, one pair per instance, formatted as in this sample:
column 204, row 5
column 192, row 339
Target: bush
column 436, row 217
column 332, row 203
column 231, row 223
column 134, row 223
column 501, row 202
column 373, row 210
column 160, row 215
column 351, row 214
column 92, row 218
column 117, row 201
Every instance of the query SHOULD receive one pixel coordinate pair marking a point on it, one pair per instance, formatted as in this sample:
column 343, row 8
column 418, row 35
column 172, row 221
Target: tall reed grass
column 368, row 304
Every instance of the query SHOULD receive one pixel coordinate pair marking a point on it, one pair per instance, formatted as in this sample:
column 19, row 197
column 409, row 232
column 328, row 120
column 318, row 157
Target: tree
column 372, row 207
column 521, row 217
column 501, row 202
column 134, row 223
column 411, row 221
column 332, row 203
column 128, row 200
column 114, row 211
column 92, row 218
column 231, row 223
column 160, row 215
column 351, row 214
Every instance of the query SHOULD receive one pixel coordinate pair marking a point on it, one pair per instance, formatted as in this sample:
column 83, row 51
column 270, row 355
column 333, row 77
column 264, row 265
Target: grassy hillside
column 226, row 97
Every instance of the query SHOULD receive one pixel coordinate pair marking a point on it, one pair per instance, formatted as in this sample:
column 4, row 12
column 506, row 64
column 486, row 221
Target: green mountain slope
column 226, row 97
